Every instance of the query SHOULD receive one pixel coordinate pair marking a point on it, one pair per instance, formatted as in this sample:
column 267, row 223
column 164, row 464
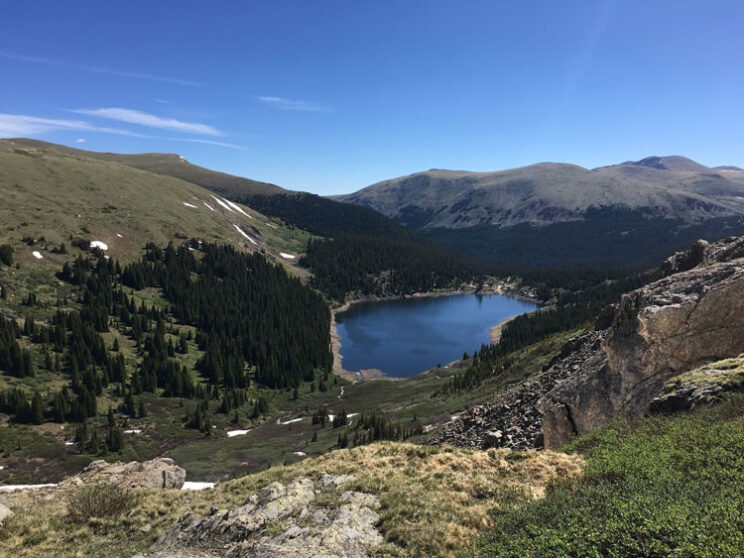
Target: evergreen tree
column 114, row 439
column 37, row 409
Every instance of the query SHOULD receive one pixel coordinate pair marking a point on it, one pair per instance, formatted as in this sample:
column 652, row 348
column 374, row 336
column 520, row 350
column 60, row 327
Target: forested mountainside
column 379, row 267
column 135, row 302
column 610, row 237
column 251, row 321
column 560, row 216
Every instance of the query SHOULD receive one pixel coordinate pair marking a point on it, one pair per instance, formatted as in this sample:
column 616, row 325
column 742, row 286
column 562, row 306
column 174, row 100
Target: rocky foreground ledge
column 386, row 499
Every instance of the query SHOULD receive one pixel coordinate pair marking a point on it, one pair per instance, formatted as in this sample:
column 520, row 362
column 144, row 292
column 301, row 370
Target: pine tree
column 114, row 440
column 81, row 434
column 37, row 409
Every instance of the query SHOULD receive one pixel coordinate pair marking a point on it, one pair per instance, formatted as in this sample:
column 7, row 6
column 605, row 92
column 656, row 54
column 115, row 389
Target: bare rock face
column 692, row 317
column 161, row 472
column 281, row 520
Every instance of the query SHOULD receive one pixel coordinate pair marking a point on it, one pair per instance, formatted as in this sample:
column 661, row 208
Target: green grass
column 656, row 487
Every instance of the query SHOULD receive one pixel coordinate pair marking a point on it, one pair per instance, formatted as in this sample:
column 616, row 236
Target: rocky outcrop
column 161, row 472
column 702, row 386
column 305, row 518
column 693, row 316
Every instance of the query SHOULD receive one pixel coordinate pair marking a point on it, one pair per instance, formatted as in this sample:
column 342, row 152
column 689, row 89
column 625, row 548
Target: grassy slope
column 656, row 487
column 433, row 500
column 168, row 164
column 50, row 194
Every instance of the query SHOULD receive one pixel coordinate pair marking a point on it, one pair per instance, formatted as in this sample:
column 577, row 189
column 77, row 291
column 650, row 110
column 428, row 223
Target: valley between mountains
column 169, row 374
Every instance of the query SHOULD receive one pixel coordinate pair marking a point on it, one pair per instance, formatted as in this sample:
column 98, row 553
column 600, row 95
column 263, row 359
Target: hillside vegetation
column 167, row 164
column 148, row 329
column 656, row 487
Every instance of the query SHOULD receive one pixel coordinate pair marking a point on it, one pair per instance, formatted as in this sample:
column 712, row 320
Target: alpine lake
column 405, row 337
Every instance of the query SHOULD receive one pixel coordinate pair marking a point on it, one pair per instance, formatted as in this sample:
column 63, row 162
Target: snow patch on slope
column 223, row 204
column 98, row 244
column 231, row 433
column 192, row 485
column 237, row 208
column 245, row 235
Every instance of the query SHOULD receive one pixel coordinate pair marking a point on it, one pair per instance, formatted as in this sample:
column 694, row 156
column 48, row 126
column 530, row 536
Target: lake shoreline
column 374, row 374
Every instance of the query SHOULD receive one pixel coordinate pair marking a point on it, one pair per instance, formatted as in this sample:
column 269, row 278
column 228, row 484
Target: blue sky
column 332, row 96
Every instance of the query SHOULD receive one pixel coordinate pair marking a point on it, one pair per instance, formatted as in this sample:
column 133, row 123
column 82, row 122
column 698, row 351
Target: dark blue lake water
column 409, row 336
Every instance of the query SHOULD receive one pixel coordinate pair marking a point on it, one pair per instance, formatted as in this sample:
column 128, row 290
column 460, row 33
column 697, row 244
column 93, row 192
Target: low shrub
column 102, row 500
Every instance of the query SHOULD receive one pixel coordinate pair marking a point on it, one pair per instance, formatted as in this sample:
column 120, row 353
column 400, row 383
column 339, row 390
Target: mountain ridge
column 547, row 193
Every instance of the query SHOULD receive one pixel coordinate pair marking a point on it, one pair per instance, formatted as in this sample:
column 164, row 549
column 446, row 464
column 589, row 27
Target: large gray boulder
column 161, row 472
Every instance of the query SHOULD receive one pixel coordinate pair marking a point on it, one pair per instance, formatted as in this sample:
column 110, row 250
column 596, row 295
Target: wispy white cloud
column 23, row 125
column 292, row 104
column 96, row 69
column 145, row 119
column 209, row 142
column 15, row 125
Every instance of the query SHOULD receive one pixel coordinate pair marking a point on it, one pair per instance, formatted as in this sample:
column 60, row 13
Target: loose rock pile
column 512, row 420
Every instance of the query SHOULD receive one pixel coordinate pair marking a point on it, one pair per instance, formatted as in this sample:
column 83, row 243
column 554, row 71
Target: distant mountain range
column 558, row 215
column 547, row 193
